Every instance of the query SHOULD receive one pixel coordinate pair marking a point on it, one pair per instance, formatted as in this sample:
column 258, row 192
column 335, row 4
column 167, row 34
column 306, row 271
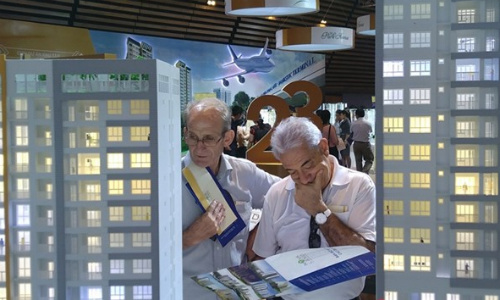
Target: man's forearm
column 188, row 240
column 339, row 234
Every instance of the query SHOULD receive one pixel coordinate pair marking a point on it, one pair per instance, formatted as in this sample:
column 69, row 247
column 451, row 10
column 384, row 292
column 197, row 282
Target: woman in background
column 329, row 132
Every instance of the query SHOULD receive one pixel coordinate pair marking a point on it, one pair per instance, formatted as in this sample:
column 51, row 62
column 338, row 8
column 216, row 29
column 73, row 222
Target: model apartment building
column 437, row 149
column 91, row 180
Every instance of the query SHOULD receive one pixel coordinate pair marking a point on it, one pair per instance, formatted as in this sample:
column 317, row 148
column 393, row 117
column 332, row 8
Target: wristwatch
column 321, row 217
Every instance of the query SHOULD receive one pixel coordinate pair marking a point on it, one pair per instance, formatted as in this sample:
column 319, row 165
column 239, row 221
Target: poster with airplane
column 207, row 69
column 259, row 63
column 218, row 70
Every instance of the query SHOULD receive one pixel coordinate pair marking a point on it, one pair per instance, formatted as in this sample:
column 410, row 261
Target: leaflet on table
column 292, row 272
column 205, row 188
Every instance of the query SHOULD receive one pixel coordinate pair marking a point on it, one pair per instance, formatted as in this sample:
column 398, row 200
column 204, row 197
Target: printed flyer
column 292, row 272
column 205, row 188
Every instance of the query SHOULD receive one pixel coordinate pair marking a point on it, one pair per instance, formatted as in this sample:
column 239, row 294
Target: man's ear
column 228, row 138
column 323, row 146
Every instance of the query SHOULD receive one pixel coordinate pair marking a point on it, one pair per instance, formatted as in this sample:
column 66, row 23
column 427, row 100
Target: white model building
column 437, row 149
column 92, row 184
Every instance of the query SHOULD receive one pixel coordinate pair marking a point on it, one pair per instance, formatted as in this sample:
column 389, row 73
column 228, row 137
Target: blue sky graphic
column 206, row 60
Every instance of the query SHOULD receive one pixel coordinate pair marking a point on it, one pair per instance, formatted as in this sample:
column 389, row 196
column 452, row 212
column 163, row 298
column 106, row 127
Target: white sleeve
column 265, row 244
column 362, row 220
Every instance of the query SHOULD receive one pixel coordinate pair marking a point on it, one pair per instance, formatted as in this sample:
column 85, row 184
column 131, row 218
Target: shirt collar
column 224, row 167
column 340, row 175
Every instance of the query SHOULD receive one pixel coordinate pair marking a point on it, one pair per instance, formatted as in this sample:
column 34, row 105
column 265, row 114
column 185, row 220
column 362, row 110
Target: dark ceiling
column 349, row 71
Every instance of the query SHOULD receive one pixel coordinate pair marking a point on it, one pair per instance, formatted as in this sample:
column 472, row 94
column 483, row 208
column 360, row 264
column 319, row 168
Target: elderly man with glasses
column 320, row 204
column 207, row 132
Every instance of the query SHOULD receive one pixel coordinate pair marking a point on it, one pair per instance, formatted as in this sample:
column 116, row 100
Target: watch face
column 320, row 218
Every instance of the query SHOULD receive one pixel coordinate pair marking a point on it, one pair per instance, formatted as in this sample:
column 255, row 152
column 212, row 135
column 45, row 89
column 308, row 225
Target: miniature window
column 466, row 16
column 142, row 292
column 141, row 266
column 393, row 12
column 393, row 40
column 420, row 96
column 115, row 134
column 465, row 240
column 22, row 138
column 141, row 213
column 115, row 160
column 466, row 213
column 420, row 180
column 393, row 262
column 420, row 68
column 420, row 124
column 420, row 208
column 139, row 133
column 420, row 263
column 116, row 240
column 420, row 39
column 140, row 160
column 421, row 11
column 420, row 235
column 24, row 267
column 139, row 107
column 116, row 213
column 116, row 266
column 117, row 292
column 142, row 239
column 393, row 152
column 393, row 180
column 420, row 152
column 115, row 187
column 141, row 187
column 394, row 68
column 393, row 207
column 114, row 107
column 393, row 235
column 393, row 125
column 392, row 97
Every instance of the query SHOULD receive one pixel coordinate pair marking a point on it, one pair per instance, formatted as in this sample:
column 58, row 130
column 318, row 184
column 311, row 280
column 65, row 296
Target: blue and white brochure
column 293, row 272
column 205, row 188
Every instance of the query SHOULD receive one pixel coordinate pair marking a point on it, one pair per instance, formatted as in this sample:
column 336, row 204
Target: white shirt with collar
column 247, row 185
column 284, row 225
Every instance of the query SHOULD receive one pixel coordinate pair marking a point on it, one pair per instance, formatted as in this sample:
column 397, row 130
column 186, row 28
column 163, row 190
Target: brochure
column 205, row 188
column 292, row 272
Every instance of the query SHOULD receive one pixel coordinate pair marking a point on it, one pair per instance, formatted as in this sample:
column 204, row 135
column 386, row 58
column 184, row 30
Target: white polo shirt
column 284, row 226
column 247, row 185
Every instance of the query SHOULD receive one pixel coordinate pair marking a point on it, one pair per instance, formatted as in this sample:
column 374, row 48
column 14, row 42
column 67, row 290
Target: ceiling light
column 365, row 25
column 211, row 2
column 315, row 39
column 323, row 22
column 265, row 8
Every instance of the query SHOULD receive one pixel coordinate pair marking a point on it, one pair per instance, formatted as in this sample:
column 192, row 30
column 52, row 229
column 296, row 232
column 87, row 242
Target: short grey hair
column 211, row 103
column 294, row 132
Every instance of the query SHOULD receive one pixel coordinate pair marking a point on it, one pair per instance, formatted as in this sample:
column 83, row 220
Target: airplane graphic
column 260, row 63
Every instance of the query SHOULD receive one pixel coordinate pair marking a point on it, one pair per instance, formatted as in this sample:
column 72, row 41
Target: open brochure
column 291, row 272
column 205, row 188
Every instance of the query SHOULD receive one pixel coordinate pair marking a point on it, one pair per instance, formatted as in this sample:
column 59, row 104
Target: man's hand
column 205, row 226
column 309, row 196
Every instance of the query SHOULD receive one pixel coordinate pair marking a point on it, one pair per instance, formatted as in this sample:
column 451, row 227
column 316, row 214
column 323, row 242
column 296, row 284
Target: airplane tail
column 264, row 52
column 233, row 55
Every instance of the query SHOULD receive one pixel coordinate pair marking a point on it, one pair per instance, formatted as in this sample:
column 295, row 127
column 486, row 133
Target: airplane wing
column 242, row 72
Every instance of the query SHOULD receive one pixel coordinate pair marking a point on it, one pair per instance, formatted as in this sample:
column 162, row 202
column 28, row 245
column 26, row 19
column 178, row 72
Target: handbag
column 341, row 145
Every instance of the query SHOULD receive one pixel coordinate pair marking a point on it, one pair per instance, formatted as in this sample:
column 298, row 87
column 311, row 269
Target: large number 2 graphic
column 257, row 153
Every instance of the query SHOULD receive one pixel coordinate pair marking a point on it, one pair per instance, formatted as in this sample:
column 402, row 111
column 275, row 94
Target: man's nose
column 304, row 178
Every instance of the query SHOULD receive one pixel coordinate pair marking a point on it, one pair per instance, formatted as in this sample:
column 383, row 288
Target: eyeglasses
column 208, row 141
column 314, row 238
